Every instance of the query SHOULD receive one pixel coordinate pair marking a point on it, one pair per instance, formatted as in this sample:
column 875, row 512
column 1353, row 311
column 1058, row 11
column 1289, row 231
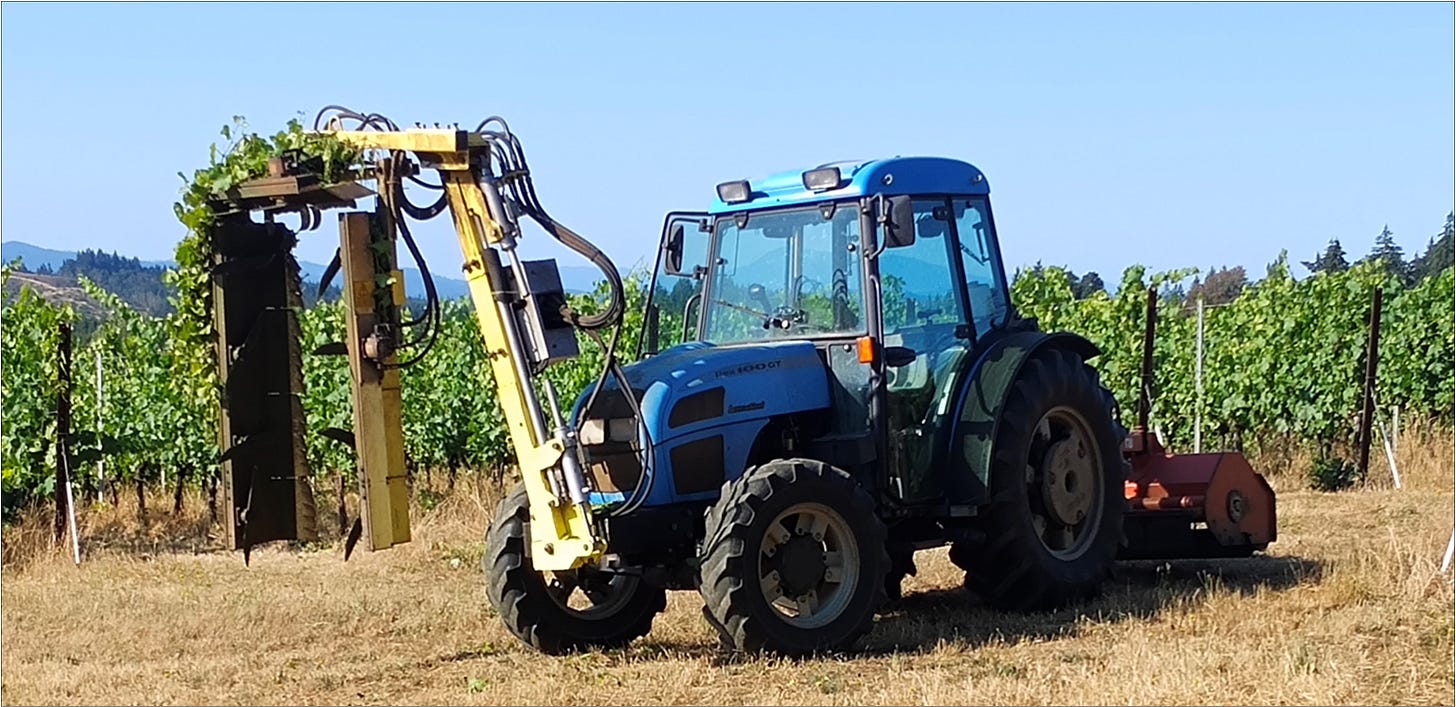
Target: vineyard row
column 1284, row 359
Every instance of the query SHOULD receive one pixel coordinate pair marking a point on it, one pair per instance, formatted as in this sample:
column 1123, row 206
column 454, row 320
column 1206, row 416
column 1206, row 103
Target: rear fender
column 983, row 394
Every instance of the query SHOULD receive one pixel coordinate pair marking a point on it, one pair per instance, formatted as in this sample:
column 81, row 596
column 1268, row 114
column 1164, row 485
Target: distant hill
column 137, row 284
column 34, row 256
column 56, row 290
column 575, row 278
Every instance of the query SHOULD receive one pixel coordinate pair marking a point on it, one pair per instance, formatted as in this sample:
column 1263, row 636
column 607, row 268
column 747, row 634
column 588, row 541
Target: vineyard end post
column 1367, row 409
column 63, row 429
column 1145, row 396
column 100, row 458
column 1198, row 385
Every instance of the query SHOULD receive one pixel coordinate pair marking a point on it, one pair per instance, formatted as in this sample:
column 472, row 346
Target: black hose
column 432, row 302
column 517, row 178
column 432, row 299
column 392, row 193
column 342, row 111
column 641, row 488
column 423, row 183
column 422, row 213
column 609, row 350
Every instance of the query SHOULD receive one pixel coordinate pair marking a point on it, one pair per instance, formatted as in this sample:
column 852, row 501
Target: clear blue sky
column 1167, row 134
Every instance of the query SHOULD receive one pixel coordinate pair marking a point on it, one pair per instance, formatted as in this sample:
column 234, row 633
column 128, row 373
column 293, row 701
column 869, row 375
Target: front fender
column 983, row 392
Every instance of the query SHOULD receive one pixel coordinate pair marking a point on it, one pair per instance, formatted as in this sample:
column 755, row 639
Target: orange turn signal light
column 866, row 346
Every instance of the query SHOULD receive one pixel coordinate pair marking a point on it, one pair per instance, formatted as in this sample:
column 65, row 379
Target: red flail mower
column 1209, row 505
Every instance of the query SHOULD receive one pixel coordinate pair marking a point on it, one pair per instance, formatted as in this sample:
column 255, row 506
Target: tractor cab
column 889, row 268
column 832, row 378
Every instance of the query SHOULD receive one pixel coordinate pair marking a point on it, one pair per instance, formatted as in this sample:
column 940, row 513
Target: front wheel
column 794, row 559
column 561, row 612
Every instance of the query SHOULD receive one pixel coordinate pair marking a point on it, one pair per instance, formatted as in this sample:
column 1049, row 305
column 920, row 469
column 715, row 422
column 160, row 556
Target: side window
column 676, row 298
column 978, row 257
column 917, row 281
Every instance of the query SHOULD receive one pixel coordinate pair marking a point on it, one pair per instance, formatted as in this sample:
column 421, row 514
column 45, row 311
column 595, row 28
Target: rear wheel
column 794, row 559
column 1053, row 526
column 561, row 612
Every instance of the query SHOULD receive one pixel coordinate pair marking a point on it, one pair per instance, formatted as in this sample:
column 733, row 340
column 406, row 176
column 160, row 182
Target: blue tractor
column 831, row 378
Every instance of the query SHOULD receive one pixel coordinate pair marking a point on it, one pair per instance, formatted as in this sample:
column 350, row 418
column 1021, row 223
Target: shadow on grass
column 1136, row 590
column 921, row 622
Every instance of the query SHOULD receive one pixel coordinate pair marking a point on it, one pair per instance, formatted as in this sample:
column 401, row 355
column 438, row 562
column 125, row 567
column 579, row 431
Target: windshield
column 785, row 274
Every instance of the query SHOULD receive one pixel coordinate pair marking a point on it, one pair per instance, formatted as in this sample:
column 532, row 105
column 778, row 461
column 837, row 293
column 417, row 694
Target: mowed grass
column 1348, row 607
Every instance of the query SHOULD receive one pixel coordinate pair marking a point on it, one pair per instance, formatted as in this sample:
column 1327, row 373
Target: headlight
column 601, row 431
column 733, row 192
column 822, row 179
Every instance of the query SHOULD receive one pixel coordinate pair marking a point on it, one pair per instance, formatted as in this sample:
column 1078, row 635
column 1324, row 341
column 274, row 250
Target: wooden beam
column 378, row 422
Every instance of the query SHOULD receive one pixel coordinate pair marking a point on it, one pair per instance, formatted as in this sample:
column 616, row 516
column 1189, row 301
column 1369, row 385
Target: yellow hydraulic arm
column 562, row 533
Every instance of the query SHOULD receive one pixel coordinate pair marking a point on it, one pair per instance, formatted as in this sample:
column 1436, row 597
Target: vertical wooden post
column 1367, row 409
column 63, row 429
column 100, row 400
column 1145, row 395
column 378, row 423
column 1198, row 385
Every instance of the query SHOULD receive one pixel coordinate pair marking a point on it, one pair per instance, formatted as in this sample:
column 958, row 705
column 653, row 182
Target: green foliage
column 1284, row 357
column 244, row 157
column 1332, row 474
column 29, row 330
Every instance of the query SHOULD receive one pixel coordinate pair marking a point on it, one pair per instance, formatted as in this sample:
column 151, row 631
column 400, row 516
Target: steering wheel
column 786, row 318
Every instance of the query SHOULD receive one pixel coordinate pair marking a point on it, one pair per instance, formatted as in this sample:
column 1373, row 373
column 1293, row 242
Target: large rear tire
column 794, row 560
column 561, row 612
column 1053, row 525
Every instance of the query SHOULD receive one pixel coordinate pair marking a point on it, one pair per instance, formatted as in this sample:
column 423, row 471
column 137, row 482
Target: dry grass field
column 1348, row 607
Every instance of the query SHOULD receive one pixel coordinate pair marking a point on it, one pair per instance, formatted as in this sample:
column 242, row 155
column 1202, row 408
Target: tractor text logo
column 748, row 368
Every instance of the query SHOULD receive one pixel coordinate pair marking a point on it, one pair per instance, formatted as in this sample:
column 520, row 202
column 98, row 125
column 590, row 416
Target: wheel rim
column 590, row 594
column 808, row 565
column 1064, row 479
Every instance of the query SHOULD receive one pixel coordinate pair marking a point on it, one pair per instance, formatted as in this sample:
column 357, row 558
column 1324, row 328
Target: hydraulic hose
column 516, row 175
column 648, row 459
column 515, row 178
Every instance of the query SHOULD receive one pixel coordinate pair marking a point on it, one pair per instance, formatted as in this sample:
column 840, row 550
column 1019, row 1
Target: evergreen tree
column 1440, row 252
column 1223, row 285
column 1331, row 261
column 1388, row 253
column 1089, row 284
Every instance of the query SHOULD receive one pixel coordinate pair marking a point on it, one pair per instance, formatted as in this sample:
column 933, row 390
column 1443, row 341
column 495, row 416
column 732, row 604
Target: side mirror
column 673, row 251
column 900, row 229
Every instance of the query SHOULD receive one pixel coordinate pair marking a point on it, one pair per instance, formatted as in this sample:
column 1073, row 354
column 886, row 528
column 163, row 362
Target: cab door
column 927, row 331
column 675, row 292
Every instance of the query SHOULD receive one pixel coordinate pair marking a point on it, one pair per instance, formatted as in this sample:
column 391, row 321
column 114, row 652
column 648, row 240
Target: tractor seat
column 928, row 377
column 912, row 376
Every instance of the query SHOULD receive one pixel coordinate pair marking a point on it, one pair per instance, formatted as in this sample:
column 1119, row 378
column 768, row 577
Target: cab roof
column 892, row 177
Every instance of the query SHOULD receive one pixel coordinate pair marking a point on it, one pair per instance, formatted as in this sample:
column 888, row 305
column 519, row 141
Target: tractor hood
column 694, row 386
